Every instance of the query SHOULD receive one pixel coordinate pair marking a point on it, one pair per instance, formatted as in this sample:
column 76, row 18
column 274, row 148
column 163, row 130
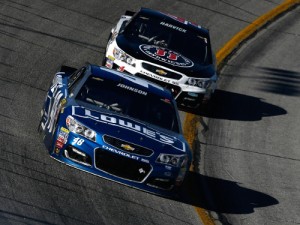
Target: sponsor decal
column 63, row 101
column 63, row 135
column 120, row 152
column 182, row 20
column 179, row 19
column 145, row 160
column 163, row 79
column 59, row 144
column 127, row 147
column 166, row 56
column 166, row 100
column 109, row 62
column 121, row 68
column 141, row 170
column 111, row 58
column 55, row 102
column 120, row 122
column 173, row 27
column 61, row 139
column 161, row 72
column 56, row 150
column 63, row 129
column 53, row 109
column 132, row 89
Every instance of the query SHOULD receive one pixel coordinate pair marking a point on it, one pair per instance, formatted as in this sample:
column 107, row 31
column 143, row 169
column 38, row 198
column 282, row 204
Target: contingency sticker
column 63, row 135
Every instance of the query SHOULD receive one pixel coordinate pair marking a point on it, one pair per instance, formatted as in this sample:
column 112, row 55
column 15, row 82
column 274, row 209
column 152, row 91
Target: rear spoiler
column 67, row 69
column 129, row 13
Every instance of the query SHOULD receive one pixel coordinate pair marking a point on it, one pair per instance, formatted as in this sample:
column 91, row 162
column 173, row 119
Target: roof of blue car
column 131, row 80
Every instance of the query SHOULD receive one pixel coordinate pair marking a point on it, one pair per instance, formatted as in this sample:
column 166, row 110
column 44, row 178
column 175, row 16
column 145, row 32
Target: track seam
column 191, row 122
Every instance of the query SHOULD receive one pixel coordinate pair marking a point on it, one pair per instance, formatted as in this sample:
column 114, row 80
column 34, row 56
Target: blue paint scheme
column 61, row 102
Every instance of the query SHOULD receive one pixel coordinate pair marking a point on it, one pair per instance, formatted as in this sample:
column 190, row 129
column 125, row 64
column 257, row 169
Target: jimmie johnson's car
column 117, row 126
column 167, row 50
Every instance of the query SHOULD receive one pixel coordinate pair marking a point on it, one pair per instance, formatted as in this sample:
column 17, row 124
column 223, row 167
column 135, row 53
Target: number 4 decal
column 77, row 141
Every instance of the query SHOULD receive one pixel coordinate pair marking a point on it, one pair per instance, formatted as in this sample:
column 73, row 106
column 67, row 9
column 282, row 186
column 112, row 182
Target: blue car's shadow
column 221, row 196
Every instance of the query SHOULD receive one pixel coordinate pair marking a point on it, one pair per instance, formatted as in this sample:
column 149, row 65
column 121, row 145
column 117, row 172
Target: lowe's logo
column 115, row 121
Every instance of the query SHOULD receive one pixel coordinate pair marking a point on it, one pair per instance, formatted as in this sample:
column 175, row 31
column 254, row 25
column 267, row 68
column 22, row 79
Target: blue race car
column 116, row 126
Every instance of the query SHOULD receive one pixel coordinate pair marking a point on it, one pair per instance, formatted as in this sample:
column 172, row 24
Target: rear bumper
column 185, row 95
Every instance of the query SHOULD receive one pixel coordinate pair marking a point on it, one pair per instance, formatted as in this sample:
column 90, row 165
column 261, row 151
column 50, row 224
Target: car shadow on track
column 279, row 81
column 222, row 196
column 235, row 106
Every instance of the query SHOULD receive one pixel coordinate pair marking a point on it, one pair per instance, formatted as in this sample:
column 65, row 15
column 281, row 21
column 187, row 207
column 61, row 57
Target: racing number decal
column 77, row 141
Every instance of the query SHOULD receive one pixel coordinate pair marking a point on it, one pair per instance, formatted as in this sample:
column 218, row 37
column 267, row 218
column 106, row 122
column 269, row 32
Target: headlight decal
column 78, row 128
column 199, row 82
column 122, row 56
column 173, row 160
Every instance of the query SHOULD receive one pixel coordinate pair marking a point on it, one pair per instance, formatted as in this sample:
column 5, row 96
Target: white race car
column 166, row 50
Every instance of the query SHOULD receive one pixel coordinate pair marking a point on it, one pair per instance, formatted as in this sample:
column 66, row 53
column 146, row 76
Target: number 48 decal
column 77, row 141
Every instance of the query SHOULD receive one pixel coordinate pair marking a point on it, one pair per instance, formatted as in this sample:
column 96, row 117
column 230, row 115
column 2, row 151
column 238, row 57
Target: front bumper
column 119, row 166
column 186, row 95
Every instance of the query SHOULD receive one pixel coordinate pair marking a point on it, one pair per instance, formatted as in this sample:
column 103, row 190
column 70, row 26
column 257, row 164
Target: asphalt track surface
column 253, row 140
column 38, row 36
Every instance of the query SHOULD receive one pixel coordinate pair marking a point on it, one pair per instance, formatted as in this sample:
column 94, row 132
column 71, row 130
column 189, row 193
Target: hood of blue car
column 104, row 122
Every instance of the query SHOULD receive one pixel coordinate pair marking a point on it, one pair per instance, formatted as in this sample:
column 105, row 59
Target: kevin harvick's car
column 117, row 126
column 167, row 50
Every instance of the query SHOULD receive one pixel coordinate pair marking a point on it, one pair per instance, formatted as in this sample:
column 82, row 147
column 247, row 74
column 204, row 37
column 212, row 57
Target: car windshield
column 190, row 44
column 121, row 98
